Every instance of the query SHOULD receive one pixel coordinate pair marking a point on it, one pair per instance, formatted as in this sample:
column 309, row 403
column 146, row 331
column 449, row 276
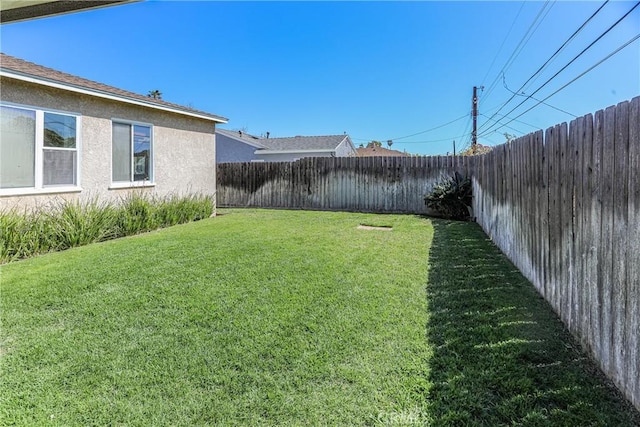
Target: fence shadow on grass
column 501, row 355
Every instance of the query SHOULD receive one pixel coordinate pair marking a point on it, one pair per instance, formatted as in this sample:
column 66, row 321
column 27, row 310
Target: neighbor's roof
column 379, row 152
column 28, row 71
column 252, row 140
column 303, row 143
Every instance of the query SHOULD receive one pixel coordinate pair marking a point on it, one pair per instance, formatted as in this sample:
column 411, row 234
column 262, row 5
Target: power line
column 429, row 130
column 521, row 44
column 535, row 99
column 503, row 42
column 519, row 121
column 566, row 42
column 571, row 62
column 417, row 133
column 636, row 37
column 512, row 128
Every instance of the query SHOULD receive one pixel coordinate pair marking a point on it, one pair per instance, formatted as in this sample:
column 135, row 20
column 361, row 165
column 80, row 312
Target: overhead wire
column 633, row 39
column 535, row 99
column 564, row 67
column 543, row 66
column 513, row 23
column 527, row 36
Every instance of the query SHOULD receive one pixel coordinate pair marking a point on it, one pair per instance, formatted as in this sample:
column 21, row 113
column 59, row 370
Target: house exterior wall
column 345, row 149
column 229, row 150
column 183, row 147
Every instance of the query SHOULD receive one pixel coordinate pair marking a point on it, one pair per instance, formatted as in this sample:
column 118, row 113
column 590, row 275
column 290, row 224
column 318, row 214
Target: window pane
column 17, row 147
column 59, row 167
column 59, row 130
column 142, row 153
column 121, row 152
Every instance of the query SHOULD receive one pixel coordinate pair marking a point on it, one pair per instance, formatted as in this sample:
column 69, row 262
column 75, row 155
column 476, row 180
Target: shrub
column 73, row 223
column 25, row 234
column 451, row 197
column 136, row 215
column 78, row 224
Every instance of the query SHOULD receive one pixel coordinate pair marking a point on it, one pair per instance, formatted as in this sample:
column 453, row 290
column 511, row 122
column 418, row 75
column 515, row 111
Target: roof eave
column 235, row 138
column 100, row 94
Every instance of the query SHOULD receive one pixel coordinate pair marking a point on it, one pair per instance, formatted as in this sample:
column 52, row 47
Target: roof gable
column 28, row 71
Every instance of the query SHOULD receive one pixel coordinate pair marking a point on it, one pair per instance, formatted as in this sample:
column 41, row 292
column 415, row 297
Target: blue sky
column 375, row 70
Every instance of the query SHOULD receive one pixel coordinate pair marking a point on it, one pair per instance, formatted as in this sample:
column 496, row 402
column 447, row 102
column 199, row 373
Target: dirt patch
column 375, row 227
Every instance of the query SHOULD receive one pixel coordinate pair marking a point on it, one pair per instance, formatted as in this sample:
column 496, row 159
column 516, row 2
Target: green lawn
column 261, row 317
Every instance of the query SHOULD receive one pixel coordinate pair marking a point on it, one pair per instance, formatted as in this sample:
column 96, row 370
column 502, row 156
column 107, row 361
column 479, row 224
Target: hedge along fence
column 361, row 184
column 564, row 206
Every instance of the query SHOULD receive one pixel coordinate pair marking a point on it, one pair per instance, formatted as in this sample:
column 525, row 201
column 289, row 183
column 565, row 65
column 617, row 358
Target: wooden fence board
column 632, row 320
column 620, row 227
column 596, row 254
column 606, row 264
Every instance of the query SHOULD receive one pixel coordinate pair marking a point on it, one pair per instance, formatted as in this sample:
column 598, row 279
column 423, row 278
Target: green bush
column 78, row 224
column 451, row 197
column 69, row 224
column 24, row 234
column 137, row 214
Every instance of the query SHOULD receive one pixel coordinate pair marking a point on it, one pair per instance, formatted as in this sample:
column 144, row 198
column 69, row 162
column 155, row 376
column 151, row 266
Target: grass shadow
column 501, row 355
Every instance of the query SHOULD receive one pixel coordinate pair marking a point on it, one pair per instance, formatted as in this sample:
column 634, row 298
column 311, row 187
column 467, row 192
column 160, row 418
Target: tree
column 480, row 149
column 374, row 144
column 508, row 137
column 155, row 94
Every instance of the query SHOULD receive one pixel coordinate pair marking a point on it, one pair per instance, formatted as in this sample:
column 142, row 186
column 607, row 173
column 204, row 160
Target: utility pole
column 454, row 148
column 474, row 114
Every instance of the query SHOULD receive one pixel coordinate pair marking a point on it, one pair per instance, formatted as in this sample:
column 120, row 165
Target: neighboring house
column 379, row 152
column 65, row 136
column 236, row 146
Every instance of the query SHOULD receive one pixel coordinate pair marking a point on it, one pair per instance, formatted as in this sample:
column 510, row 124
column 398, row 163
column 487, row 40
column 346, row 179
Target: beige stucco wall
column 183, row 147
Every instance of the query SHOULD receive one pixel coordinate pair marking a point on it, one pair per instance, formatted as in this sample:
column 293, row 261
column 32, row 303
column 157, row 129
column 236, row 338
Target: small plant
column 68, row 224
column 451, row 197
column 81, row 223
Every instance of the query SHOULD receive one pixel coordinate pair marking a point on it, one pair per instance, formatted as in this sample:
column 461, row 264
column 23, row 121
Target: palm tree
column 155, row 94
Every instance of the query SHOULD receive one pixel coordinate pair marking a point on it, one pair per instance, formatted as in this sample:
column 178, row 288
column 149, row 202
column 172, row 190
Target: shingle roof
column 379, row 152
column 241, row 136
column 328, row 142
column 18, row 67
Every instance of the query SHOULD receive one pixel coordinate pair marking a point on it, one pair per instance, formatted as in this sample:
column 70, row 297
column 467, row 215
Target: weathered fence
column 363, row 184
column 563, row 205
column 565, row 208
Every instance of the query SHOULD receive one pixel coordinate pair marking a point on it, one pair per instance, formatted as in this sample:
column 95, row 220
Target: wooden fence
column 363, row 184
column 564, row 206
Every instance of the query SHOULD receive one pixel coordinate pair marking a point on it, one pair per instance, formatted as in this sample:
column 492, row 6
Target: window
column 38, row 150
column 131, row 153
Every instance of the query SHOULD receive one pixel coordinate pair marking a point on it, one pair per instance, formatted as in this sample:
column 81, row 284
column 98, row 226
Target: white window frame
column 39, row 187
column 133, row 184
